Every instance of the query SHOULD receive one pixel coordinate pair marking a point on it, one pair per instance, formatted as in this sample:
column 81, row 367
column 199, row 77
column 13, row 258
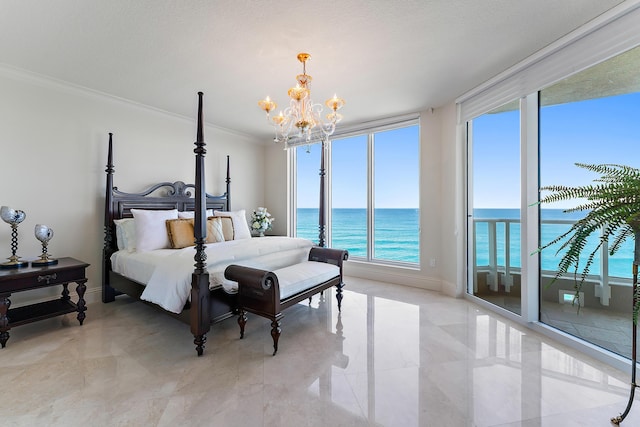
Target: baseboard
column 451, row 290
column 392, row 274
column 92, row 295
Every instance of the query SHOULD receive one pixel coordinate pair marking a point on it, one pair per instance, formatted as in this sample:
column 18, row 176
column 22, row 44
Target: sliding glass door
column 494, row 206
column 591, row 118
column 588, row 118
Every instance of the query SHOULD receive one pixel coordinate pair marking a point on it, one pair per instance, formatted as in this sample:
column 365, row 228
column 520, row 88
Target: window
column 373, row 197
column 494, row 208
column 349, row 202
column 592, row 123
column 396, row 229
column 307, row 194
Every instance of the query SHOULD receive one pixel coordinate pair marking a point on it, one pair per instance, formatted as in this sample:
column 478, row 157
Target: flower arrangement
column 261, row 220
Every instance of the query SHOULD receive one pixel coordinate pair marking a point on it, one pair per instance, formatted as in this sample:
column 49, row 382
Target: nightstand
column 67, row 270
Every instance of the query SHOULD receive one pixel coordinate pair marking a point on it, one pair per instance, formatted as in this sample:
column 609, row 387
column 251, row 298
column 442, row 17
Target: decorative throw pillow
column 227, row 227
column 151, row 230
column 240, row 225
column 192, row 214
column 180, row 233
column 125, row 234
column 214, row 230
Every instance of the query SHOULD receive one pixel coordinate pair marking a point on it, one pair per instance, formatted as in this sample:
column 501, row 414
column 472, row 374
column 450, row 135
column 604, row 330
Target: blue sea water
column 619, row 264
column 396, row 232
column 396, row 236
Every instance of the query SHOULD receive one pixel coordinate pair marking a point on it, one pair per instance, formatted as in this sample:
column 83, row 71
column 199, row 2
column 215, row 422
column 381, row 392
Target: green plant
column 612, row 206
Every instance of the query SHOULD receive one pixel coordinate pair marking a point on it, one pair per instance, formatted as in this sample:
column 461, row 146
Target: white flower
column 261, row 219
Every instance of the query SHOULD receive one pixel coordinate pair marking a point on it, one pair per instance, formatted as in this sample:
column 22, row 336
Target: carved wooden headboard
column 164, row 195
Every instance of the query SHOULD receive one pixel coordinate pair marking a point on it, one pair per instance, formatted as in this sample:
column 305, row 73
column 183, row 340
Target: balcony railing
column 502, row 262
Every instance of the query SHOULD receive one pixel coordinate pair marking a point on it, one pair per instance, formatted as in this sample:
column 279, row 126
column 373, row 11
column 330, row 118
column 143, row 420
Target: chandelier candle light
column 302, row 114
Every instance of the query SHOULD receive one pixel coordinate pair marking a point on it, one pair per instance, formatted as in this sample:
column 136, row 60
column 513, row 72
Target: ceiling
column 383, row 57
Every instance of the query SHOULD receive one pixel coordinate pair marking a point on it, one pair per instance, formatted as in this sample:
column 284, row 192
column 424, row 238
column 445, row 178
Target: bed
column 196, row 292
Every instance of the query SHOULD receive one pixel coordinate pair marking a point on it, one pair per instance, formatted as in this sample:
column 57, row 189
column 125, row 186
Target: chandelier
column 302, row 119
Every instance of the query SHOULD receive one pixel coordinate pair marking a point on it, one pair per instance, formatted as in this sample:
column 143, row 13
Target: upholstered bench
column 268, row 293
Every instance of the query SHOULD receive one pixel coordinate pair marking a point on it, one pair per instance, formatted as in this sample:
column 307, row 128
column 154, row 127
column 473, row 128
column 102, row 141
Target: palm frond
column 622, row 235
column 612, row 206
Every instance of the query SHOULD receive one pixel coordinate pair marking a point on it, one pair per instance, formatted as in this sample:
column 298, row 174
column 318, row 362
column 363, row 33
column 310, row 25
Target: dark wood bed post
column 200, row 320
column 323, row 178
column 108, row 293
column 228, row 181
column 322, row 214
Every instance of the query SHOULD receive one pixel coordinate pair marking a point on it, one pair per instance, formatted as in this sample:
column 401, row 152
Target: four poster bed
column 148, row 254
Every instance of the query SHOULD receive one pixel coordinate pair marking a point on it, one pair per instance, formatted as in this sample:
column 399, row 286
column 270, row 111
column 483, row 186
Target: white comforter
column 169, row 276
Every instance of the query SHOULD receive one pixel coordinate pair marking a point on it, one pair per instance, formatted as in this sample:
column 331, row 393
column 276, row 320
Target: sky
column 396, row 171
column 604, row 130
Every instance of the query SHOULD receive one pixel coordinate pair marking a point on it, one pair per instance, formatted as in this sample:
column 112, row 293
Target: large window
column 349, row 194
column 395, row 196
column 373, row 196
column 307, row 191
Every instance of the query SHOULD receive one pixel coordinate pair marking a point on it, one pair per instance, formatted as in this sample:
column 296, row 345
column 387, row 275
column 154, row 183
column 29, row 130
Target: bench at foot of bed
column 268, row 293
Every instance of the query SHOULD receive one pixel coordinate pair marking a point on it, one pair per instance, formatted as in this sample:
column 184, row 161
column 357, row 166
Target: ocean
column 396, row 236
column 554, row 223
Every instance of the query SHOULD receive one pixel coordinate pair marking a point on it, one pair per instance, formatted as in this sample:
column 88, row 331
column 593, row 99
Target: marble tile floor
column 395, row 356
column 607, row 328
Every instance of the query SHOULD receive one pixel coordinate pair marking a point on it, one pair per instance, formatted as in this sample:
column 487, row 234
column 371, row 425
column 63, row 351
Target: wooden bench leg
column 242, row 320
column 275, row 333
column 321, row 297
column 339, row 287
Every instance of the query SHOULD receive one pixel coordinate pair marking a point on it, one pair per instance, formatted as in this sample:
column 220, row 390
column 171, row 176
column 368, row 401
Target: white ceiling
column 383, row 57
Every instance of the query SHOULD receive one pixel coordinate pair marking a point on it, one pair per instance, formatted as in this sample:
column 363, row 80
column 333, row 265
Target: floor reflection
column 394, row 356
column 418, row 358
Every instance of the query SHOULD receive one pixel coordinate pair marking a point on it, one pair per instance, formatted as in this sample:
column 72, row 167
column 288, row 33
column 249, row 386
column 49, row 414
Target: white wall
column 53, row 141
column 276, row 187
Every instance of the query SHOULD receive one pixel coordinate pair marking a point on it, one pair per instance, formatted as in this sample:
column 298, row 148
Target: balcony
column 604, row 317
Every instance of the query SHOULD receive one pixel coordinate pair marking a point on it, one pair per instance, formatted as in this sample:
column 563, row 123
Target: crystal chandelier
column 302, row 119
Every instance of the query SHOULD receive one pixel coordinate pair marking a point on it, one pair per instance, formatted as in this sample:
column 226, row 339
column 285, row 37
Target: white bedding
column 167, row 272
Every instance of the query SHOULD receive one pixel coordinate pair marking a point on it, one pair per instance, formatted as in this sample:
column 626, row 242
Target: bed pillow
column 215, row 233
column 239, row 220
column 125, row 234
column 181, row 232
column 192, row 214
column 227, row 227
column 151, row 228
